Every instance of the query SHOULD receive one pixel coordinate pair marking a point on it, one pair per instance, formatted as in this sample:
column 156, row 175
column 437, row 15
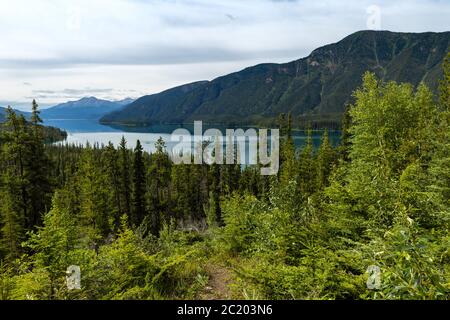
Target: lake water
column 81, row 132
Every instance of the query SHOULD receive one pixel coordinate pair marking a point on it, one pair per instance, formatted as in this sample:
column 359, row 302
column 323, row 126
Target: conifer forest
column 140, row 227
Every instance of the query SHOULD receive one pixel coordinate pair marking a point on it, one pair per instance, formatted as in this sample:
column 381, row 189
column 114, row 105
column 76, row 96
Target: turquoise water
column 90, row 131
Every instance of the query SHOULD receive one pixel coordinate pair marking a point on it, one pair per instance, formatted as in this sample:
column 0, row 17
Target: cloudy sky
column 59, row 50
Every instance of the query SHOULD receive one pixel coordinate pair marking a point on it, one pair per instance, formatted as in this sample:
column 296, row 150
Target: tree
column 215, row 211
column 345, row 141
column 35, row 118
column 12, row 226
column 288, row 170
column 393, row 128
column 445, row 84
column 111, row 160
column 125, row 176
column 158, row 195
column 12, row 186
column 439, row 170
column 37, row 170
column 138, row 185
column 94, row 198
column 325, row 160
column 307, row 168
column 52, row 244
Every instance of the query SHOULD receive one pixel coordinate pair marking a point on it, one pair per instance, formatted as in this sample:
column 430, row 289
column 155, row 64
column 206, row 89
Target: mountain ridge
column 317, row 86
column 84, row 108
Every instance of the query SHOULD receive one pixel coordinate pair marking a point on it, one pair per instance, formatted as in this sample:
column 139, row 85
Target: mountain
column 2, row 114
column 86, row 108
column 125, row 101
column 316, row 87
column 154, row 106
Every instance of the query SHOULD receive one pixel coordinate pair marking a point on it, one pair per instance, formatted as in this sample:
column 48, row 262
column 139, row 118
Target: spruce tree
column 94, row 198
column 111, row 161
column 15, row 153
column 288, row 170
column 307, row 168
column 158, row 194
column 345, row 141
column 125, row 177
column 139, row 183
column 325, row 159
column 12, row 226
column 39, row 186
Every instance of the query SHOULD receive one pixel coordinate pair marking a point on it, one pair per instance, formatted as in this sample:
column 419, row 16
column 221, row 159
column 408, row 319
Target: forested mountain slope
column 319, row 85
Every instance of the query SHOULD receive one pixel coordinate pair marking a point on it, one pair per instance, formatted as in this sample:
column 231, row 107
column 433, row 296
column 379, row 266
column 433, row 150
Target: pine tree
column 138, row 185
column 12, row 227
column 52, row 245
column 325, row 160
column 37, row 163
column 111, row 161
column 94, row 198
column 15, row 153
column 125, row 177
column 35, row 118
column 345, row 141
column 215, row 212
column 158, row 195
column 392, row 133
column 307, row 168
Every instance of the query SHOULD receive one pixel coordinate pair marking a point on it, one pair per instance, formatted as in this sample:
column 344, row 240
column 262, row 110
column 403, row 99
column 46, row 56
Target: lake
column 81, row 132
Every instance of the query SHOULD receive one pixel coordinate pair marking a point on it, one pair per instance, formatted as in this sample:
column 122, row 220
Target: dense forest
column 140, row 227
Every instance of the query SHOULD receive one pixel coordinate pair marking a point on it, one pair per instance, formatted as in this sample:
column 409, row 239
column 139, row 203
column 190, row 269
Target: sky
column 60, row 50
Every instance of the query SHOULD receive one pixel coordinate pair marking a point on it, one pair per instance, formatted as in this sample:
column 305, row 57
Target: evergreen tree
column 307, row 168
column 345, row 141
column 15, row 137
column 12, row 227
column 94, row 198
column 125, row 177
column 391, row 134
column 158, row 195
column 52, row 245
column 444, row 85
column 325, row 160
column 215, row 212
column 37, row 162
column 288, row 170
column 111, row 160
column 138, row 185
column 35, row 118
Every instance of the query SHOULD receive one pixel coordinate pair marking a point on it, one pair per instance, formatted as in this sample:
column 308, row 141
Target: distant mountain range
column 318, row 86
column 86, row 108
column 3, row 114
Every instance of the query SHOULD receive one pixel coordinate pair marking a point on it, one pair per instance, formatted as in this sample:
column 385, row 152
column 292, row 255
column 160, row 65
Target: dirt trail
column 218, row 284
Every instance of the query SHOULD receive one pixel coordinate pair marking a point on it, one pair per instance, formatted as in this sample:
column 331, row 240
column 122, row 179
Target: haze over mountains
column 88, row 108
column 319, row 85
